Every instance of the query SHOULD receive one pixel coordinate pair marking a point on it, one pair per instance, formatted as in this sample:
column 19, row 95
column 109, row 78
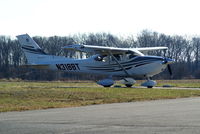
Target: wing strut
column 119, row 64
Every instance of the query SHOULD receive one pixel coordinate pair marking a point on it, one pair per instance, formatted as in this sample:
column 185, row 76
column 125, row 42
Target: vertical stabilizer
column 31, row 48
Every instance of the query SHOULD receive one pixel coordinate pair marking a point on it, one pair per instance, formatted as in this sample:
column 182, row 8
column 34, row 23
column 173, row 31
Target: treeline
column 185, row 51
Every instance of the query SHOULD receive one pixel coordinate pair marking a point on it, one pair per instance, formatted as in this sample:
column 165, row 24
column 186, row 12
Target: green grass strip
column 19, row 96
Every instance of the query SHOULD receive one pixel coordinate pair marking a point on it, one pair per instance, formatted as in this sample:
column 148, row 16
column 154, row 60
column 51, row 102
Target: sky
column 118, row 17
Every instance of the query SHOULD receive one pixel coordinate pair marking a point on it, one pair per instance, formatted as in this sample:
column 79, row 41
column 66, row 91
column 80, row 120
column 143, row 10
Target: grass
column 191, row 83
column 19, row 96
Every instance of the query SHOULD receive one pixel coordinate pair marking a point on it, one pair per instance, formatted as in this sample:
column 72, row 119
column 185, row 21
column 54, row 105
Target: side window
column 98, row 58
column 102, row 58
column 117, row 56
column 131, row 55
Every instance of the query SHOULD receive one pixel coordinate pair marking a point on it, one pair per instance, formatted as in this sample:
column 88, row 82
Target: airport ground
column 171, row 116
column 25, row 95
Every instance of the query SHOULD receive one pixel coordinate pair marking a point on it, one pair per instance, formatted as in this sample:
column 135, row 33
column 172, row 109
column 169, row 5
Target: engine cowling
column 106, row 82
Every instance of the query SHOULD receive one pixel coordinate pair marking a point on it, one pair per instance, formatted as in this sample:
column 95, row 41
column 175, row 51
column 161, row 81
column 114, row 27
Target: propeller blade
column 169, row 69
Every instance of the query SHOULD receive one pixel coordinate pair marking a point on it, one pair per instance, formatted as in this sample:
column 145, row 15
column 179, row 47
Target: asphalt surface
column 177, row 116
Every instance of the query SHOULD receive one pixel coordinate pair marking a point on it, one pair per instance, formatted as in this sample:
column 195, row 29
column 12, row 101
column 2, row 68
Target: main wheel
column 107, row 86
column 149, row 86
column 128, row 85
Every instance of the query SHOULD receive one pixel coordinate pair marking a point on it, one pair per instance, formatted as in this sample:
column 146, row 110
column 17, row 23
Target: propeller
column 168, row 62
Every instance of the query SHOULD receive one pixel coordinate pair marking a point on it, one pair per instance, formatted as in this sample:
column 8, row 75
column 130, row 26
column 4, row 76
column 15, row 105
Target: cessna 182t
column 126, row 63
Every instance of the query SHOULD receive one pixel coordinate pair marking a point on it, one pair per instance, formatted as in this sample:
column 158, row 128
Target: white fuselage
column 137, row 66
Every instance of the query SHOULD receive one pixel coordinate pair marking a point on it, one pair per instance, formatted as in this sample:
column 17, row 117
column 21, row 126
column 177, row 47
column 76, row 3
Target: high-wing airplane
column 126, row 63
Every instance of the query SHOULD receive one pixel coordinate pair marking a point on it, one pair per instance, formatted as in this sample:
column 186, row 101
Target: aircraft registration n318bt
column 126, row 63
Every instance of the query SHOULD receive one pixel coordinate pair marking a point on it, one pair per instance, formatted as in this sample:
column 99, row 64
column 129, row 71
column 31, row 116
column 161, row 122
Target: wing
column 151, row 48
column 107, row 50
column 100, row 49
column 96, row 49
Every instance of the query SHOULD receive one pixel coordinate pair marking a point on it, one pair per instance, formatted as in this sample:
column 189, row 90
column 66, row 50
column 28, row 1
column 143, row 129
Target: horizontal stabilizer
column 35, row 66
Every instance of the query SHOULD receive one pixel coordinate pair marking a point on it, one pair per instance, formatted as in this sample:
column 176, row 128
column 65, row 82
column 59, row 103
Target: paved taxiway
column 177, row 116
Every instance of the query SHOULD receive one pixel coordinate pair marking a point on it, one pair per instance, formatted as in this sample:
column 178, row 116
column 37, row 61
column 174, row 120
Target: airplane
column 125, row 63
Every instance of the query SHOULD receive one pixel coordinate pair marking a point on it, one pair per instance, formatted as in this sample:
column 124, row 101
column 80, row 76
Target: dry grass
column 18, row 96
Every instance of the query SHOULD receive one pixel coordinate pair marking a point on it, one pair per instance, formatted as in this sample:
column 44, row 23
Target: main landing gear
column 128, row 82
column 106, row 82
column 149, row 83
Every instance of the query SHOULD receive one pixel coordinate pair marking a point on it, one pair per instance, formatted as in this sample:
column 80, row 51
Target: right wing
column 107, row 50
column 151, row 48
column 101, row 49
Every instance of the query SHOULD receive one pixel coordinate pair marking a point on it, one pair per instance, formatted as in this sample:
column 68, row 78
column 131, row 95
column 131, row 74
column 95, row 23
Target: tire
column 107, row 86
column 128, row 85
column 149, row 86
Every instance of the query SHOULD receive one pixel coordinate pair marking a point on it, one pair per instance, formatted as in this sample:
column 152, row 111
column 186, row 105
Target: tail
column 31, row 49
column 34, row 54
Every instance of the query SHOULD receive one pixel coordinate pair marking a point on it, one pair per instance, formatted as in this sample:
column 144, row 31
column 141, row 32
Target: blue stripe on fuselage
column 137, row 61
